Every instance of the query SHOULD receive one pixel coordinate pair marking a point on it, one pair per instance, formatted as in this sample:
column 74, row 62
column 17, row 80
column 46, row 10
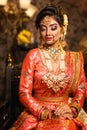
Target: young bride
column 50, row 76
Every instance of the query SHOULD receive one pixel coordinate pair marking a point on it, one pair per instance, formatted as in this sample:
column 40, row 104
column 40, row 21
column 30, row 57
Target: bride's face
column 50, row 31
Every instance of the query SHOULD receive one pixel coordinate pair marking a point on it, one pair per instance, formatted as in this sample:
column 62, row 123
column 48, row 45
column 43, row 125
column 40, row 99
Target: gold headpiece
column 46, row 20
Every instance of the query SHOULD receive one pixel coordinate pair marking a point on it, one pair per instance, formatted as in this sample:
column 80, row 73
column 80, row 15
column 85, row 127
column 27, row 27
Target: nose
column 48, row 31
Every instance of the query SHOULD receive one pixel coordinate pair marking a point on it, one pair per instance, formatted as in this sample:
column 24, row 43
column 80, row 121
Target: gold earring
column 62, row 37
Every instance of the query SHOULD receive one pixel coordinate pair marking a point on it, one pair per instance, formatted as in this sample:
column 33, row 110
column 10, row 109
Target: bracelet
column 74, row 111
column 39, row 116
column 76, row 106
column 45, row 114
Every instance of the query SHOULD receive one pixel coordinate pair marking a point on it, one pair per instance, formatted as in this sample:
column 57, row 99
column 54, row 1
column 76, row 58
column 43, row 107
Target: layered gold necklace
column 57, row 80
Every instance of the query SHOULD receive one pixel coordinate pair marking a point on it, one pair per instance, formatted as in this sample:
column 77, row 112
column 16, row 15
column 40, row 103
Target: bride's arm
column 26, row 86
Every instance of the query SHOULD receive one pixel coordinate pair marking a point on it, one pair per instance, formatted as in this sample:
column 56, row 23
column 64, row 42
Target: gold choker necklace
column 53, row 52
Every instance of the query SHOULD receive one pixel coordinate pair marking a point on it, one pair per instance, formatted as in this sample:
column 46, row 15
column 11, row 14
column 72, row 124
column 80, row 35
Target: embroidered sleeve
column 26, row 86
column 79, row 95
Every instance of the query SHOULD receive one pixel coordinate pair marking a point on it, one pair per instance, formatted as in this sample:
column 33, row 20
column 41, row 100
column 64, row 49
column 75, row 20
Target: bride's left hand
column 63, row 111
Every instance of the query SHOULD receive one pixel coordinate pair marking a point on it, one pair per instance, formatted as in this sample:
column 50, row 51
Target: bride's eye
column 54, row 27
column 42, row 28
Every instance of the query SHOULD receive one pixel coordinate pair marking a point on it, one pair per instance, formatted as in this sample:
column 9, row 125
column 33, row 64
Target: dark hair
column 50, row 10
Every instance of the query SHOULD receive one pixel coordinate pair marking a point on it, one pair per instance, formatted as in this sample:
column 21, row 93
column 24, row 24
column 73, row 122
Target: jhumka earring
column 62, row 38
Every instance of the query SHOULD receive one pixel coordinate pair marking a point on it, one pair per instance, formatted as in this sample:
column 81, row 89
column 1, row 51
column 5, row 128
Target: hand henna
column 63, row 111
column 74, row 111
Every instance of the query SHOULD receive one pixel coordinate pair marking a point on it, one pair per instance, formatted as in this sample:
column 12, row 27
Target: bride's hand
column 63, row 111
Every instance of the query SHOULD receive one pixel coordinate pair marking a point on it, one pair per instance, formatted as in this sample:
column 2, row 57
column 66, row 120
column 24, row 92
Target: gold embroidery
column 77, row 63
column 64, row 98
column 21, row 119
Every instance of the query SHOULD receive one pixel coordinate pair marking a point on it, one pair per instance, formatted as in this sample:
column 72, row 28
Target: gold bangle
column 44, row 114
column 76, row 106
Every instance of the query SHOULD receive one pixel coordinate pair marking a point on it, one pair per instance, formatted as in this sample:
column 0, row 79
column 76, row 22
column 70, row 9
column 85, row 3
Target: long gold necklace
column 56, row 80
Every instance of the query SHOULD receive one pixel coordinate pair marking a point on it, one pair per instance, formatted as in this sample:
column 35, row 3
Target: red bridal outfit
column 48, row 84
